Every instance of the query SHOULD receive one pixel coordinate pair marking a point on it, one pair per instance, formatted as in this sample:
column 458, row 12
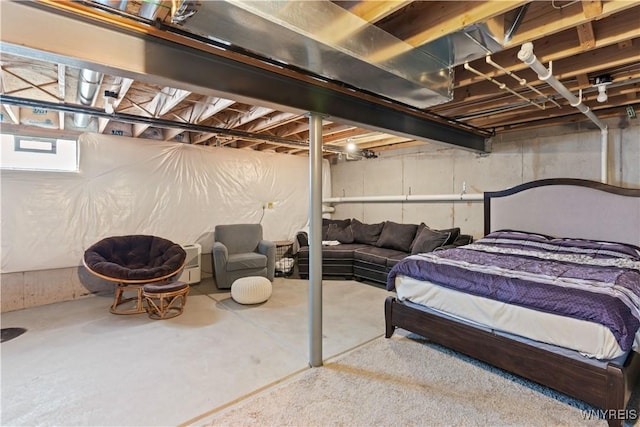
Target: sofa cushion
column 393, row 260
column 342, row 251
column 463, row 239
column 397, row 236
column 342, row 235
column 375, row 255
column 366, row 233
column 421, row 227
column 341, row 223
column 455, row 232
column 303, row 238
column 429, row 240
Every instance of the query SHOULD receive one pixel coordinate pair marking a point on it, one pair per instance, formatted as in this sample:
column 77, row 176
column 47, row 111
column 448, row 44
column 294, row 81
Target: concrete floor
column 80, row 365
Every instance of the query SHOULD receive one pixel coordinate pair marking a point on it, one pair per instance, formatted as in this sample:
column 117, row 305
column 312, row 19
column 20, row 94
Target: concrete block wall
column 571, row 151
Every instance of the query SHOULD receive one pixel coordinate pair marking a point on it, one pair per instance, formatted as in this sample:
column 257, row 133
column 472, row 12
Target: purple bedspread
column 583, row 279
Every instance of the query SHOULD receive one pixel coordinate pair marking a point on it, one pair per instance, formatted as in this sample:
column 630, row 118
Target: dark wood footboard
column 608, row 389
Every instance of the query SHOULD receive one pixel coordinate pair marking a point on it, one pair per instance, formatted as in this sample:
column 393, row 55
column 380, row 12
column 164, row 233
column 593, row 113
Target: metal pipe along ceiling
column 163, row 123
column 527, row 56
column 408, row 198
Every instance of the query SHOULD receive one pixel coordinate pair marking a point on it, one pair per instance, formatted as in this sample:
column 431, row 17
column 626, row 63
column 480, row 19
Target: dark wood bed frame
column 607, row 388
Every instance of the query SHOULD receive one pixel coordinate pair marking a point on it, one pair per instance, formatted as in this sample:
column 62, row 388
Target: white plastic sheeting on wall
column 135, row 186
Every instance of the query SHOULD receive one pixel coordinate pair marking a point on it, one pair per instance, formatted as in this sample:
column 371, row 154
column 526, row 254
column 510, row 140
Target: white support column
column 315, row 240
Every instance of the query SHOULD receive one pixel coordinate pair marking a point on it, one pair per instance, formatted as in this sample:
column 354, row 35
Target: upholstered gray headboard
column 566, row 208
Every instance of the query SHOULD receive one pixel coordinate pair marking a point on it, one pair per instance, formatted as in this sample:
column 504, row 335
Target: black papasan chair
column 132, row 262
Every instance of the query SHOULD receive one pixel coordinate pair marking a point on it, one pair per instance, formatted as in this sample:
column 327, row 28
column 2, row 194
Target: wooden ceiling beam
column 503, row 120
column 408, row 144
column 560, row 120
column 586, row 36
column 13, row 113
column 593, row 61
column 429, row 21
column 423, row 22
column 121, row 86
column 542, row 20
column 388, row 140
column 271, row 122
column 620, row 28
column 161, row 104
column 346, row 25
column 591, row 8
column 374, row 11
column 460, row 109
column 347, row 133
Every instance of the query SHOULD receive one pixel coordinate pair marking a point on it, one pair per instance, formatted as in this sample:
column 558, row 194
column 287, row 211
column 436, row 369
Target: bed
column 548, row 246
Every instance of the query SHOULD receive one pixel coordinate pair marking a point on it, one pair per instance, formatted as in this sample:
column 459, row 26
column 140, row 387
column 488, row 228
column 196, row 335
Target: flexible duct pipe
column 408, row 198
column 527, row 56
column 88, row 83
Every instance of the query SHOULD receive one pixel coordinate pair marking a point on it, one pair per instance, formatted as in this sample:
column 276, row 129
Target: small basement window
column 36, row 153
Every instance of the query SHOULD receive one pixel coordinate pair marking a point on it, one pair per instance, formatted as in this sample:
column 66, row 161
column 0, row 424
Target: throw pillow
column 397, row 236
column 342, row 235
column 325, row 232
column 429, row 240
column 366, row 233
column 455, row 232
column 341, row 223
column 421, row 227
column 326, row 222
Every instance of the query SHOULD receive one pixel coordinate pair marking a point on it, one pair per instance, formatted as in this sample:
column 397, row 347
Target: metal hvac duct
column 324, row 38
column 88, row 84
column 89, row 80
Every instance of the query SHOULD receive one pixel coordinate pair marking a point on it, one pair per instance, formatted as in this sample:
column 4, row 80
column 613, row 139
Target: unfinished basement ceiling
column 385, row 74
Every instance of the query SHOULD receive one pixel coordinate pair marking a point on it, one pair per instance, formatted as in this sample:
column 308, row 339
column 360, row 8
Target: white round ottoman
column 251, row 290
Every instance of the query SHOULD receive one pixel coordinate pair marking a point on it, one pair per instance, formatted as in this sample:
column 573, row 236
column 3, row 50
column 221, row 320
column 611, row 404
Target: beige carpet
column 404, row 382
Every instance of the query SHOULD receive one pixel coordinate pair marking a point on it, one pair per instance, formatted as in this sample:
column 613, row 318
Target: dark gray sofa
column 368, row 251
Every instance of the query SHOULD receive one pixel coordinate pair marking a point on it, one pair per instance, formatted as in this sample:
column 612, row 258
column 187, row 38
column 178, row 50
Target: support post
column 315, row 240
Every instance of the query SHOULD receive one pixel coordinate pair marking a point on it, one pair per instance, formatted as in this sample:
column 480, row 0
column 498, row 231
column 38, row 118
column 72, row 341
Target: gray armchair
column 239, row 251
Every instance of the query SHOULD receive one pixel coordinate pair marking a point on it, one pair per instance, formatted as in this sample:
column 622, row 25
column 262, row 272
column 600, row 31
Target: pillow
column 366, row 233
column 342, row 235
column 518, row 235
column 397, row 236
column 455, row 232
column 326, row 222
column 341, row 223
column 325, row 231
column 596, row 248
column 429, row 240
column 303, row 239
column 421, row 227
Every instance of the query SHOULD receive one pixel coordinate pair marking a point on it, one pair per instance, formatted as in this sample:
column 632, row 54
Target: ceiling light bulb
column 351, row 147
column 602, row 93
